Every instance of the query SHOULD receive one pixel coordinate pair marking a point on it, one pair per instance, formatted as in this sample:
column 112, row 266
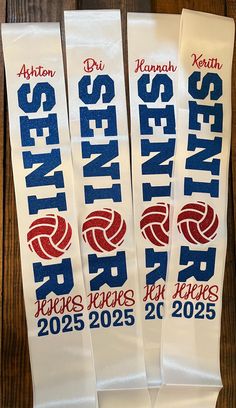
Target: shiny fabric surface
column 96, row 89
column 191, row 328
column 59, row 338
column 153, row 54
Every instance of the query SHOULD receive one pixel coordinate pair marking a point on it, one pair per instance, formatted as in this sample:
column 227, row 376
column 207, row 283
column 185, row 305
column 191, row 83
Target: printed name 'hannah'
column 141, row 66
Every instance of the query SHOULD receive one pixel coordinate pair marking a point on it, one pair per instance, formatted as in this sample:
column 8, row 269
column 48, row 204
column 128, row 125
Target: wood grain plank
column 2, row 145
column 129, row 5
column 170, row 6
column 17, row 390
column 38, row 10
column 231, row 12
column 228, row 343
column 227, row 398
column 15, row 365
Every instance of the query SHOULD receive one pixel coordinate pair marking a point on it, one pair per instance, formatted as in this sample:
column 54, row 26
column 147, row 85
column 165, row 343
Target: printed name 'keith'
column 200, row 61
column 38, row 71
column 141, row 66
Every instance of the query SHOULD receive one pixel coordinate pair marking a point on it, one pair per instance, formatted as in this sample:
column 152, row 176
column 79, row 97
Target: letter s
column 208, row 80
column 159, row 80
column 99, row 82
column 42, row 88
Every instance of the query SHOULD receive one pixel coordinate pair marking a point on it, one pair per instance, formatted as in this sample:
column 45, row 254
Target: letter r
column 110, row 270
column 202, row 264
column 51, row 276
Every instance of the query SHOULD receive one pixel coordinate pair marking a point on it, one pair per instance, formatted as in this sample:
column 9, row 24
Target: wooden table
column 16, row 376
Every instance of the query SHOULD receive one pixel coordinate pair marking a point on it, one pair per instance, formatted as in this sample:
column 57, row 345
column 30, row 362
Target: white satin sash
column 98, row 122
column 191, row 328
column 59, row 339
column 153, row 53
